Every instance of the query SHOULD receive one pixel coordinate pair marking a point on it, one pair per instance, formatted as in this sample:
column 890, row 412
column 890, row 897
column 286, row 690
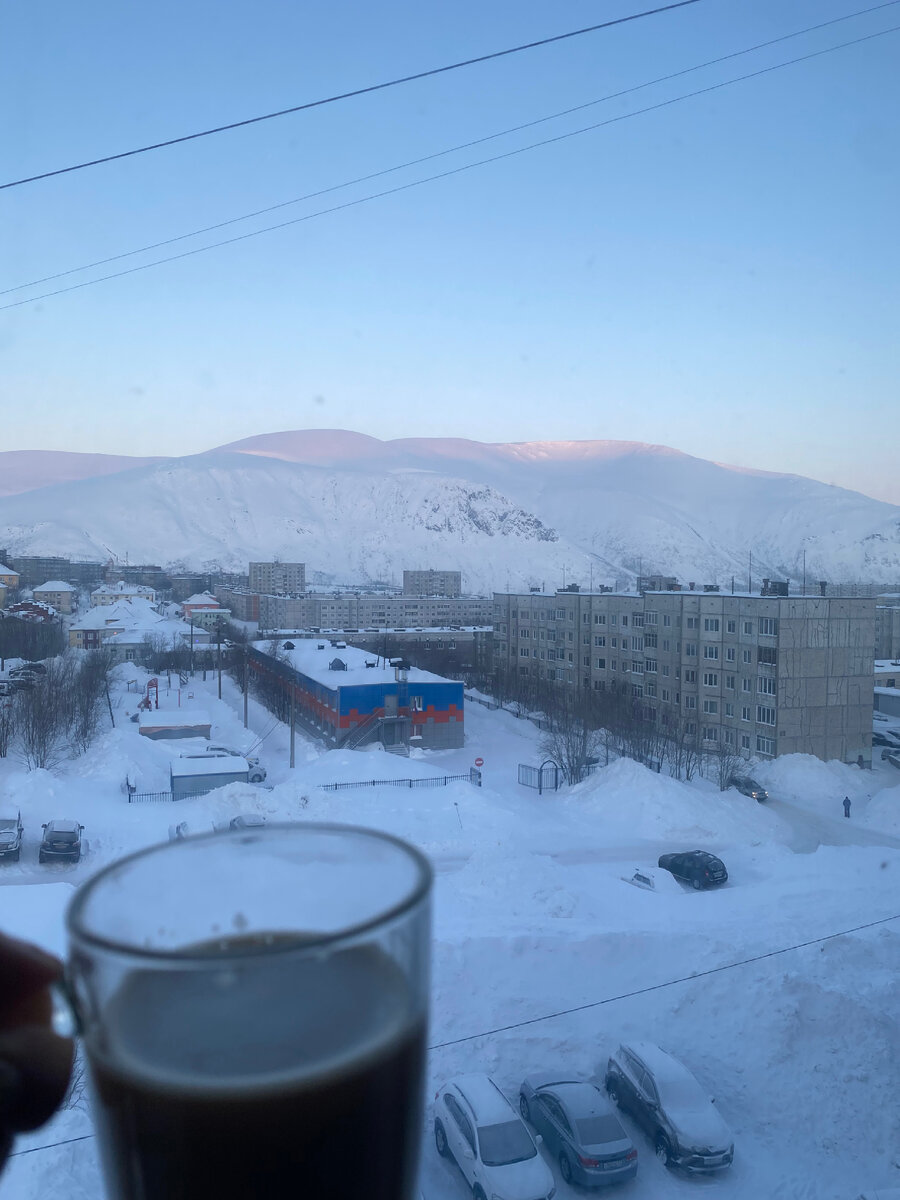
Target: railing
column 359, row 732
column 148, row 797
column 473, row 776
column 542, row 778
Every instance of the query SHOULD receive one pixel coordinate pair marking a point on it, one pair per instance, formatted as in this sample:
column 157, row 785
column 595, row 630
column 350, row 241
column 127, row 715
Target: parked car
column 886, row 737
column 11, row 830
column 699, row 868
column 668, row 1102
column 6, row 688
column 61, row 842
column 247, row 821
column 23, row 682
column 749, row 787
column 579, row 1129
column 476, row 1125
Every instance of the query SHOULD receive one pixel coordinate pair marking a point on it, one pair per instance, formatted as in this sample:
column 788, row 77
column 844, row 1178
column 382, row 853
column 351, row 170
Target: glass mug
column 253, row 1007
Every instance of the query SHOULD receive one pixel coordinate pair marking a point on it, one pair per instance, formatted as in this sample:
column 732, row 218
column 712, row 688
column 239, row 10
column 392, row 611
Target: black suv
column 665, row 1098
column 61, row 842
column 696, row 867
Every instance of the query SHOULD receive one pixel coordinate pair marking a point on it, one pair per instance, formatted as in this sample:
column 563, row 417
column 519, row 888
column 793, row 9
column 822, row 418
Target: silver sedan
column 580, row 1128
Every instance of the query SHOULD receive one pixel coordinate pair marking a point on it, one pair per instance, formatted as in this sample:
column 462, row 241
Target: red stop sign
column 479, row 762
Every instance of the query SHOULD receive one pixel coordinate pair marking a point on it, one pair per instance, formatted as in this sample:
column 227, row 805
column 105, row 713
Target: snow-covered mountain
column 507, row 514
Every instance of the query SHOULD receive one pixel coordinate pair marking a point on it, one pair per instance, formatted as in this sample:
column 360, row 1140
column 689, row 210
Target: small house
column 198, row 776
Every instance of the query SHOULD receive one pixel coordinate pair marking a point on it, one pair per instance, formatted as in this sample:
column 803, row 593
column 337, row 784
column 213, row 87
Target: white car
column 476, row 1125
column 257, row 772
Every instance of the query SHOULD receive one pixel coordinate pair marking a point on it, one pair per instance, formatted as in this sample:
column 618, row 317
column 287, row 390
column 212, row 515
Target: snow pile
column 883, row 812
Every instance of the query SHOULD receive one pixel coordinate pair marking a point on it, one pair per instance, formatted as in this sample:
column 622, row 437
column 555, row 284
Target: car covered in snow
column 886, row 737
column 579, row 1129
column 667, row 1101
column 476, row 1126
column 699, row 868
column 61, row 842
column 11, row 830
column 748, row 786
column 247, row 821
column 892, row 756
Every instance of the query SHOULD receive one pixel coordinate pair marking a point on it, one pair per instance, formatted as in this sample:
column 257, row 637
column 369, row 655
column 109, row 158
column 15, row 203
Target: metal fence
column 148, row 797
column 544, row 778
column 473, row 776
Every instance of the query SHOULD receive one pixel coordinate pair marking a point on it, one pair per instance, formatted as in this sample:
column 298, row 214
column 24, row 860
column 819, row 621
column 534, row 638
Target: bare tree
column 43, row 717
column 570, row 733
column 89, row 691
column 682, row 747
column 8, row 714
column 725, row 763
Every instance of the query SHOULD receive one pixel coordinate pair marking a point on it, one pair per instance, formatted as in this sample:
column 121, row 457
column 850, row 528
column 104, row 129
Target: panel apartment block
column 367, row 611
column 761, row 675
column 432, row 583
column 278, row 578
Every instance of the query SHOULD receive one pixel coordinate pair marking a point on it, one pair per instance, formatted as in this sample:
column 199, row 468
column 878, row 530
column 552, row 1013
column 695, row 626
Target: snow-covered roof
column 4, row 570
column 203, row 598
column 174, row 718
column 308, row 659
column 122, row 589
column 187, row 767
column 55, row 585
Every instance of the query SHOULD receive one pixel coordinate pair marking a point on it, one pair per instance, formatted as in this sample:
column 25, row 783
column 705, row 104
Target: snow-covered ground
column 533, row 917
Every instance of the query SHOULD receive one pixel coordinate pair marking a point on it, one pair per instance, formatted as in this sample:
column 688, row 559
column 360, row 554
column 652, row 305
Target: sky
column 718, row 275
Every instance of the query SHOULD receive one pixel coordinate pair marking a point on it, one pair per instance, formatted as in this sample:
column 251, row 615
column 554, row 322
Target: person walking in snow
column 847, row 807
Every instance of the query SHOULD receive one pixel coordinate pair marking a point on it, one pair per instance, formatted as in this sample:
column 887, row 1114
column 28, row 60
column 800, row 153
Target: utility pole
column 219, row 653
column 804, row 570
column 192, row 643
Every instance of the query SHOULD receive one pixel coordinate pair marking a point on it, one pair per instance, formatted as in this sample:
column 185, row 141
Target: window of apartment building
column 711, row 624
column 691, row 623
column 534, row 653
column 667, row 620
column 729, row 682
column 730, row 654
column 746, row 685
column 551, row 635
column 651, row 618
column 767, row 655
column 665, row 669
column 678, row 672
column 710, row 733
column 728, row 737
column 745, row 741
column 637, row 667
column 690, row 676
column 542, row 616
column 599, row 618
column 585, row 639
column 599, row 685
column 710, row 651
column 613, row 618
column 614, row 642
column 624, row 620
column 765, row 715
column 514, row 613
column 650, row 640
column 650, row 687
column 690, row 649
column 729, row 709
column 747, row 656
column 637, row 619
column 626, row 666
column 551, row 655
column 560, row 614
column 710, row 678
column 586, row 660
column 571, row 636
column 690, row 702
column 768, row 626
column 637, row 643
column 665, row 695
column 731, row 626
column 601, row 664
column 600, row 639
column 766, row 685
column 542, row 654
column 637, row 690
column 613, row 664
column 711, row 707
column 746, row 714
column 747, row 627
column 523, row 652
column 650, row 665
column 524, row 633
column 667, row 645
column 570, row 656
column 585, row 618
column 690, row 728
column 764, row 745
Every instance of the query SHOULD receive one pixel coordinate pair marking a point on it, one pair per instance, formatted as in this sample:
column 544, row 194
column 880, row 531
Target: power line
column 449, row 173
column 443, row 153
column 564, row 1012
column 657, row 987
column 364, row 91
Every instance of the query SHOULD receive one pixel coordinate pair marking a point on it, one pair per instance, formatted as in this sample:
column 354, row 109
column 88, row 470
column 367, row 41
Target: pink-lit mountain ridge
column 507, row 514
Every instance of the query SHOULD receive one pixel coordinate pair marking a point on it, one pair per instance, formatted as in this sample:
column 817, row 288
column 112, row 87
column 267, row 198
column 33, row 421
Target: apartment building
column 760, row 675
column 112, row 593
column 432, row 583
column 58, row 594
column 277, row 578
column 887, row 626
column 371, row 610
